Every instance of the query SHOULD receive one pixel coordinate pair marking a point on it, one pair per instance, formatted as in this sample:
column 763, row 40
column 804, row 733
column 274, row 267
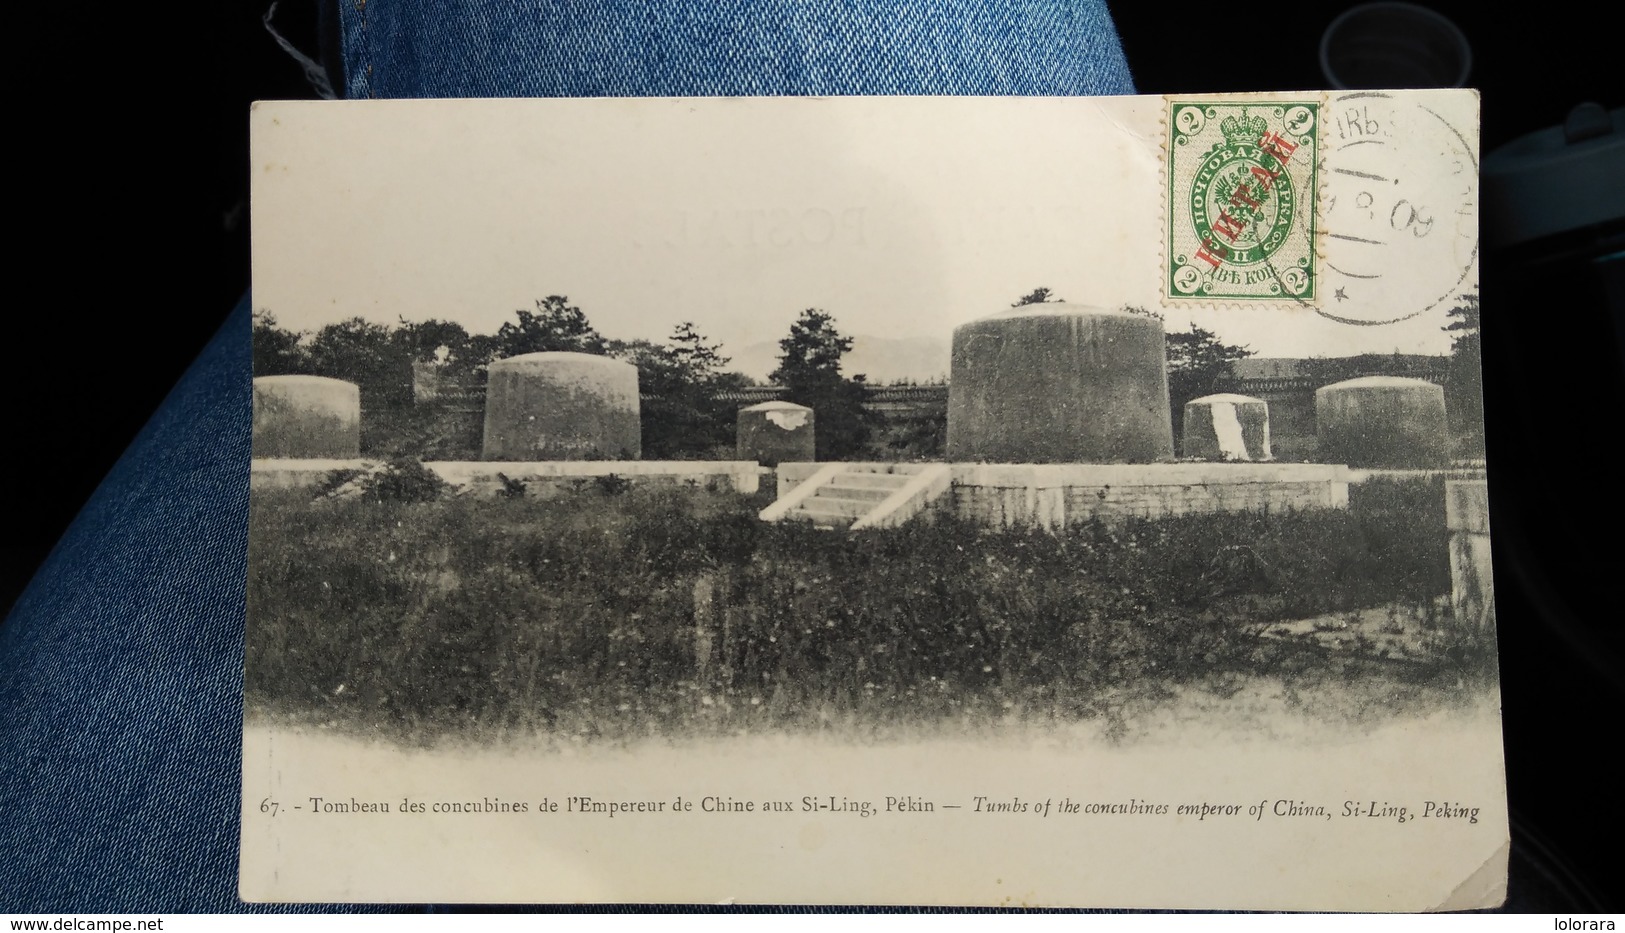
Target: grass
column 615, row 613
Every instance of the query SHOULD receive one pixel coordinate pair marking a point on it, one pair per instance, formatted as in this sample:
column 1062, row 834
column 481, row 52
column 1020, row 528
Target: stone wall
column 1292, row 411
column 1055, row 495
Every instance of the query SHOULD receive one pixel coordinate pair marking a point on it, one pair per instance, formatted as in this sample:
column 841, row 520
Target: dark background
column 136, row 143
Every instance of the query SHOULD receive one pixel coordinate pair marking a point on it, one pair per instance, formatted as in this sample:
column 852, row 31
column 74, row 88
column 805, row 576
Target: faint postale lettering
column 777, row 228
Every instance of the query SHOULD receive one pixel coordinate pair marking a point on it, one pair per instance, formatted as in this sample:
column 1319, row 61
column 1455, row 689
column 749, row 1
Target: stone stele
column 776, row 432
column 1472, row 587
column 307, row 417
column 1059, row 383
column 562, row 406
column 1227, row 427
column 1382, row 421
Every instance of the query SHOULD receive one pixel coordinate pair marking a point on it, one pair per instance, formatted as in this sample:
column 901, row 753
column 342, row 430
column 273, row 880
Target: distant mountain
column 881, row 359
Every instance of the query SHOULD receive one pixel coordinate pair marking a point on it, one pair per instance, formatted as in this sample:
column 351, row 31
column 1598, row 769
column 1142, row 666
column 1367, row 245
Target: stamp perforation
column 1241, row 199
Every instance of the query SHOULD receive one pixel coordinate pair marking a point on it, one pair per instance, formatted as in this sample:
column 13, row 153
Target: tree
column 432, row 341
column 1198, row 365
column 276, row 351
column 555, row 325
column 810, row 371
column 366, row 354
column 700, row 360
column 1464, row 326
column 1198, row 357
column 680, row 382
column 1038, row 296
column 811, row 355
column 1464, row 386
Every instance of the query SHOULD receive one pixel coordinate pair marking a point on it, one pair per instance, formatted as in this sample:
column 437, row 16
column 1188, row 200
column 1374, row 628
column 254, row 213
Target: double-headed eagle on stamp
column 1241, row 201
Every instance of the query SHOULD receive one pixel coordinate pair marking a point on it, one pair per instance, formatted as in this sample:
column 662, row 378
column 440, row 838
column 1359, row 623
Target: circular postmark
column 1399, row 206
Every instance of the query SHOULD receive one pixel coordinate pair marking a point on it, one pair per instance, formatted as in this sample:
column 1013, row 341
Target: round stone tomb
column 1226, row 427
column 776, row 432
column 306, row 417
column 1059, row 383
column 1382, row 421
column 562, row 406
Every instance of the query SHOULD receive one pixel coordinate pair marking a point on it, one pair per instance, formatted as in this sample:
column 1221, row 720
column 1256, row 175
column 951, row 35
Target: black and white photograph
column 1071, row 502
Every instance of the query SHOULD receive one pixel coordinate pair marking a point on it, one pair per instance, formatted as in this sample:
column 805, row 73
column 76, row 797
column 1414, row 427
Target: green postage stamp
column 1241, row 200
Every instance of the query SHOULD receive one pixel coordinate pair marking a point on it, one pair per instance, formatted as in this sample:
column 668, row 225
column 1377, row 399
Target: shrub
column 661, row 609
column 400, row 480
column 511, row 488
column 611, row 484
column 336, row 480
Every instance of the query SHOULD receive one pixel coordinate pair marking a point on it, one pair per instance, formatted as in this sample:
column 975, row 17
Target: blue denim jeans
column 121, row 665
column 619, row 48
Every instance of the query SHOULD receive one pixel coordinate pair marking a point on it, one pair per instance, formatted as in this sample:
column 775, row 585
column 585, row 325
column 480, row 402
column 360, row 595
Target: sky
column 901, row 217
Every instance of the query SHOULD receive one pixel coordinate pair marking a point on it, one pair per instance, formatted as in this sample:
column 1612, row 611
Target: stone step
column 839, row 490
column 887, row 481
column 885, row 469
column 833, row 505
column 820, row 512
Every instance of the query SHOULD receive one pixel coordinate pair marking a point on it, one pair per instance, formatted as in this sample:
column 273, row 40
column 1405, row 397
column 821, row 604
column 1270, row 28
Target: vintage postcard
column 859, row 501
